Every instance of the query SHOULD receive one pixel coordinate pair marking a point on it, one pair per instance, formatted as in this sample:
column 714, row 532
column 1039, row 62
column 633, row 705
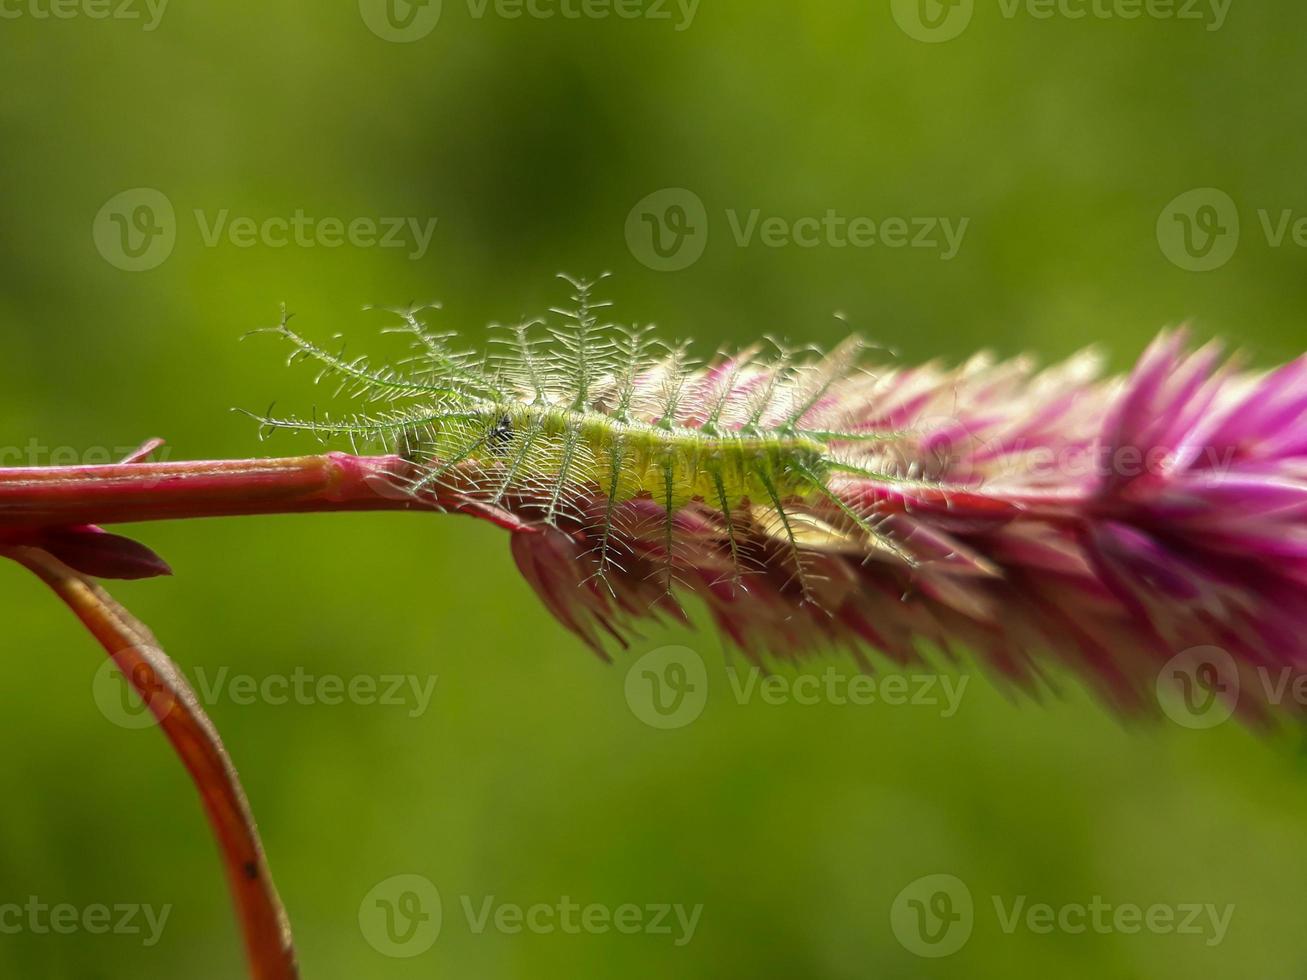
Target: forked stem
column 172, row 701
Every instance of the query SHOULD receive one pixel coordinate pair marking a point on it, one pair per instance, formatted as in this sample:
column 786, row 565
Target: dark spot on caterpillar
column 251, row 870
column 501, row 435
column 607, row 415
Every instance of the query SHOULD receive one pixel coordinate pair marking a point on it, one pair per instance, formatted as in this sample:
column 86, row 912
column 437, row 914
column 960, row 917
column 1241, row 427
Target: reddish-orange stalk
column 171, row 699
column 145, row 491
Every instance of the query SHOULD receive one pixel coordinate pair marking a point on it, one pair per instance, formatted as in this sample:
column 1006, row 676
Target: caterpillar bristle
column 622, row 440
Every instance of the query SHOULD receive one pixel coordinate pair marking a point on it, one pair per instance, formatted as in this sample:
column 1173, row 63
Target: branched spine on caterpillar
column 574, row 419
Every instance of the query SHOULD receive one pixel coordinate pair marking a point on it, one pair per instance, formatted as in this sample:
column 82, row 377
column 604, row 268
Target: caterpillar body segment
column 626, row 458
column 570, row 422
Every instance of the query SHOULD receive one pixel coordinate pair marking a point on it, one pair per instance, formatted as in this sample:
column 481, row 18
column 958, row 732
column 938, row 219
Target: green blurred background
column 530, row 777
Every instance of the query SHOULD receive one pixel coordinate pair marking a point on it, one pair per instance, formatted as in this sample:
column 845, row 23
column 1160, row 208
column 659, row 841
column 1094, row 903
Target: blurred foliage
column 1060, row 140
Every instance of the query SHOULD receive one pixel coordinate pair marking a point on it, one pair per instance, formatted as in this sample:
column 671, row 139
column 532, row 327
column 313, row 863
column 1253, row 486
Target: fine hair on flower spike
column 812, row 501
column 573, row 418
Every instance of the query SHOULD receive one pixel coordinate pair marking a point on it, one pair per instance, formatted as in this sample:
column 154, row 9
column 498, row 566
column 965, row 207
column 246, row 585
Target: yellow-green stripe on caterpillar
column 574, row 418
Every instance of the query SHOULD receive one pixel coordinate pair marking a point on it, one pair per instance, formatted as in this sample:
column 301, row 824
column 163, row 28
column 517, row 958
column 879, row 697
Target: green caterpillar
column 574, row 419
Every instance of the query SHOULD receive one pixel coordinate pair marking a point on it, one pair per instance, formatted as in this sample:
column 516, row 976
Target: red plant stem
column 141, row 491
column 171, row 699
column 144, row 491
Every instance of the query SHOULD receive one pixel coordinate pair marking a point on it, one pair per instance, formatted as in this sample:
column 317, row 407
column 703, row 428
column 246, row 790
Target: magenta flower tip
column 1034, row 517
